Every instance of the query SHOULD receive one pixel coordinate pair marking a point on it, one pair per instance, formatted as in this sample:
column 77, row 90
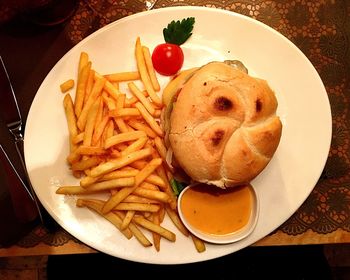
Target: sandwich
column 220, row 124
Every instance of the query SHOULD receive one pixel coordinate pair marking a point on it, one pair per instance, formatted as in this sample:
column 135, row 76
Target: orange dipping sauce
column 215, row 211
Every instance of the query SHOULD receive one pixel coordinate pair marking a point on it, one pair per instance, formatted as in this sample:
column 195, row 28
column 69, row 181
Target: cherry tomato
column 167, row 59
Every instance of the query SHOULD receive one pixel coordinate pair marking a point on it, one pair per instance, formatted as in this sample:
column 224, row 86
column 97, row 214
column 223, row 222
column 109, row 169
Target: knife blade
column 9, row 107
column 10, row 113
column 22, row 201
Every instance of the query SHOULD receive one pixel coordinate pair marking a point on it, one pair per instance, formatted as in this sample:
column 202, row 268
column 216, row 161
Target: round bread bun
column 223, row 126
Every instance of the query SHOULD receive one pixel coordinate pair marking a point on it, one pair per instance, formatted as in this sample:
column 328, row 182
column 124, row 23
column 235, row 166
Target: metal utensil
column 10, row 113
column 150, row 4
column 22, row 200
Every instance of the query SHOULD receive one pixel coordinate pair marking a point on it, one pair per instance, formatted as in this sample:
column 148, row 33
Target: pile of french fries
column 117, row 148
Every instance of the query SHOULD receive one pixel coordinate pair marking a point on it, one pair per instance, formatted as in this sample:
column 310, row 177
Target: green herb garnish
column 177, row 32
column 177, row 186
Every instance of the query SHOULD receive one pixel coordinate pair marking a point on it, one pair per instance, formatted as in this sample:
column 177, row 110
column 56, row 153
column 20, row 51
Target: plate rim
column 189, row 8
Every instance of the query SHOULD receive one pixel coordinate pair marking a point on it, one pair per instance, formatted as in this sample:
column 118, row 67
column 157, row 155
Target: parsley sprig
column 177, row 32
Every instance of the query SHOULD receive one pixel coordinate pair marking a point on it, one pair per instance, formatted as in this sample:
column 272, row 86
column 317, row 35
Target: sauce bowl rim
column 227, row 238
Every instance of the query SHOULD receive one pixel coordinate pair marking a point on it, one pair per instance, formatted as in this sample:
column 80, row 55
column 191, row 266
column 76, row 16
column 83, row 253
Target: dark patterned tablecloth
column 321, row 29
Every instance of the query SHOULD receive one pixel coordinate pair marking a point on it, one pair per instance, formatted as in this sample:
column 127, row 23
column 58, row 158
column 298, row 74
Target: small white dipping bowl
column 225, row 238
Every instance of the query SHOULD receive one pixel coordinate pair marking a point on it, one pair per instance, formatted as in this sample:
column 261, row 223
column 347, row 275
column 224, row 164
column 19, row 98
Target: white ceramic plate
column 282, row 187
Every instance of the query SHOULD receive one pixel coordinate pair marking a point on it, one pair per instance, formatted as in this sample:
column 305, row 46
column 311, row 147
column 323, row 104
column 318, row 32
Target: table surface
column 321, row 29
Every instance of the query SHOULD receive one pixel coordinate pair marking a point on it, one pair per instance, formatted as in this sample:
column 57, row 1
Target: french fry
column 81, row 86
column 78, row 138
column 111, row 184
column 111, row 89
column 112, row 217
column 143, row 207
column 138, row 199
column 99, row 130
column 136, row 231
column 123, row 76
column 120, row 174
column 117, row 151
column 160, row 148
column 147, row 170
column 127, row 218
column 137, row 92
column 198, row 243
column 135, row 146
column 149, row 119
column 67, row 85
column 86, row 163
column 150, row 68
column 83, row 60
column 125, row 112
column 71, row 119
column 156, row 236
column 72, row 190
column 152, row 194
column 167, row 234
column 90, row 151
column 143, row 127
column 124, row 137
column 141, row 65
column 139, row 178
column 95, row 92
column 112, row 165
column 162, row 174
column 90, row 123
column 176, row 220
column 89, row 85
column 110, row 102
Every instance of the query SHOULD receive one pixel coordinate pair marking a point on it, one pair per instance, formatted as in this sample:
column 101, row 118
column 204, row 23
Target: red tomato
column 167, row 59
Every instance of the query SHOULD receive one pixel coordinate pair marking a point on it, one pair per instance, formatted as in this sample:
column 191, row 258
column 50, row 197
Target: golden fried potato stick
column 86, row 163
column 99, row 130
column 71, row 120
column 141, row 65
column 83, row 60
column 123, row 76
column 162, row 174
column 67, row 85
column 115, row 199
column 78, row 138
column 138, row 125
column 150, row 68
column 72, row 190
column 112, row 90
column 156, row 236
column 89, row 84
column 95, row 93
column 149, row 119
column 167, row 234
column 198, row 243
column 90, row 122
column 152, row 194
column 144, row 100
column 142, row 207
column 160, row 148
column 124, row 137
column 81, row 87
column 111, row 184
column 136, row 231
column 96, row 205
column 176, row 220
column 114, row 164
column 135, row 146
column 127, row 219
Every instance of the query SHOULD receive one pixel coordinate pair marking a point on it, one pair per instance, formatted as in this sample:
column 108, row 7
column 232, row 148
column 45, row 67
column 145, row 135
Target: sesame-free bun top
column 223, row 127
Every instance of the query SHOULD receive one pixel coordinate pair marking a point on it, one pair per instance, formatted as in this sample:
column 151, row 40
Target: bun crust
column 223, row 127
